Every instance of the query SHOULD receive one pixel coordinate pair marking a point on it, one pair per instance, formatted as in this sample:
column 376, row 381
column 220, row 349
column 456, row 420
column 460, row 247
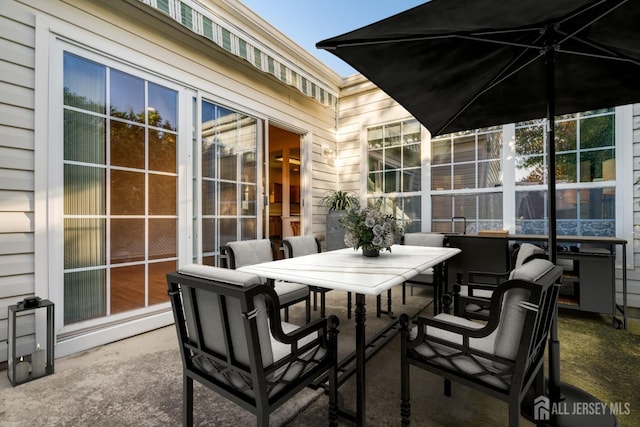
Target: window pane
column 208, row 197
column 464, row 149
column 464, row 176
column 162, row 195
column 84, row 137
column 411, row 155
column 441, row 152
column 441, row 208
column 566, row 168
column 163, row 107
column 158, row 281
column 84, row 242
column 441, row 178
column 465, row 206
column 127, row 145
column 412, row 180
column 228, row 165
column 208, row 158
column 162, row 151
column 84, row 84
column 393, row 158
column 374, row 136
column 489, row 174
column 84, row 295
column 490, row 146
column 249, row 166
column 597, row 165
column 566, row 204
column 411, row 214
column 530, row 170
column 248, row 204
column 127, row 96
column 598, row 203
column 375, row 160
column 490, row 207
column 127, row 288
column 411, row 131
column 529, row 140
column 392, row 135
column 566, row 136
column 392, row 181
column 127, row 193
column 162, row 238
column 228, row 198
column 249, row 228
column 228, row 230
column 374, row 183
column 84, row 190
column 530, row 205
column 597, row 132
column 127, row 240
column 209, row 243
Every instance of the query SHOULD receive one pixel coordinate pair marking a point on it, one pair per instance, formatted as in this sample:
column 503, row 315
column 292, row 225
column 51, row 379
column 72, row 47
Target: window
column 466, row 170
column 395, row 170
column 120, row 190
column 228, row 151
column 585, row 174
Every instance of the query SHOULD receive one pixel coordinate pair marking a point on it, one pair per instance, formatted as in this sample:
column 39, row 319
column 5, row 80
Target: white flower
column 378, row 230
column 369, row 222
column 377, row 241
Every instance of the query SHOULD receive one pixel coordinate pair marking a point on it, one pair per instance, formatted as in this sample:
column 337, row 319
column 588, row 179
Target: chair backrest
column 300, row 245
column 248, row 252
column 424, row 239
column 512, row 315
column 526, row 252
column 211, row 307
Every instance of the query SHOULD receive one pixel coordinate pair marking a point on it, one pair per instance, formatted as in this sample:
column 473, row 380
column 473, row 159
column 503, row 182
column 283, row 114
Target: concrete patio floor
column 137, row 382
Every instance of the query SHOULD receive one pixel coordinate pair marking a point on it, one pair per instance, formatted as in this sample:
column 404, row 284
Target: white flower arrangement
column 369, row 229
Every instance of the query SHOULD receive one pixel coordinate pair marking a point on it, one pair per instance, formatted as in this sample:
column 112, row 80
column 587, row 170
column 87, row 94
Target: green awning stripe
column 204, row 23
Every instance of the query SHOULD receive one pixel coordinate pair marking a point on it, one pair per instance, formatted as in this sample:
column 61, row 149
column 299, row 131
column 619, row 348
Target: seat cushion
column 525, row 251
column 301, row 245
column 463, row 364
column 249, row 252
column 290, row 292
column 424, row 239
column 512, row 316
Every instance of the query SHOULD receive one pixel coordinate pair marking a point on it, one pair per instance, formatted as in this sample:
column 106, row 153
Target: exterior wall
column 17, row 63
column 633, row 276
column 138, row 35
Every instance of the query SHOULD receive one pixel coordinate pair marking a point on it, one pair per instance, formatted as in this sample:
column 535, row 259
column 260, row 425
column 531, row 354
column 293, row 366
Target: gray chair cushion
column 526, row 250
column 473, row 366
column 213, row 336
column 301, row 245
column 249, row 252
column 424, row 239
column 289, row 292
column 513, row 315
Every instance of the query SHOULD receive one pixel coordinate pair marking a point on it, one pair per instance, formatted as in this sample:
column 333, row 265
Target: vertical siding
column 17, row 58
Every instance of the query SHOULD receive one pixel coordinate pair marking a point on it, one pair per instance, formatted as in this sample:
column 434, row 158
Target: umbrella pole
column 564, row 397
column 554, row 343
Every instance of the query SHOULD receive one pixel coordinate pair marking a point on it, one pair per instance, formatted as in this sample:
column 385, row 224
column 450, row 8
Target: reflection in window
column 467, row 165
column 120, row 209
column 585, row 173
column 229, row 178
column 395, row 170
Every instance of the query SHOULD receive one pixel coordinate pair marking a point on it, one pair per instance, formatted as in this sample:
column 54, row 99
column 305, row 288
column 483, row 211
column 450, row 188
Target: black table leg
column 360, row 361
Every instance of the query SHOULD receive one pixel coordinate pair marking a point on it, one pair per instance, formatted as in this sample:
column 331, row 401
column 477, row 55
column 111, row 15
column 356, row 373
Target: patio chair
column 306, row 245
column 248, row 252
column 471, row 299
column 423, row 279
column 232, row 340
column 502, row 357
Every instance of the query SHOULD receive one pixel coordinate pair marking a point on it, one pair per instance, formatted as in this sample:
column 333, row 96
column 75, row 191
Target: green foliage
column 339, row 200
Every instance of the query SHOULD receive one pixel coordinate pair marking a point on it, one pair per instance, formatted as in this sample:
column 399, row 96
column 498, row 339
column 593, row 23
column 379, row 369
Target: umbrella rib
column 595, row 55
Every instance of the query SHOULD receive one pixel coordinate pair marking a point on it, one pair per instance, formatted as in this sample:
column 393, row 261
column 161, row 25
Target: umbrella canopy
column 465, row 64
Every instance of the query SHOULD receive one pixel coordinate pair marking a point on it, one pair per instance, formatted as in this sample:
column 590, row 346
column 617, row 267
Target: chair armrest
column 275, row 319
column 465, row 332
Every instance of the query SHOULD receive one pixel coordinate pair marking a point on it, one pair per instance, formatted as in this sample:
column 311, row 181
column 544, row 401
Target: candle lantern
column 23, row 368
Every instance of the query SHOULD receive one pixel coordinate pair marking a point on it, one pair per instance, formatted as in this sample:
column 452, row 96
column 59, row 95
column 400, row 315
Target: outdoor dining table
column 348, row 270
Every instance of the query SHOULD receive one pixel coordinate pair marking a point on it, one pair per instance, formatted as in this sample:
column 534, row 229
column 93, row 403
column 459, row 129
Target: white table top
column 347, row 270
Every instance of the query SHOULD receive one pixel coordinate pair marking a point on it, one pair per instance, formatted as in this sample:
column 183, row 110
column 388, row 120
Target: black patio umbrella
column 466, row 64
